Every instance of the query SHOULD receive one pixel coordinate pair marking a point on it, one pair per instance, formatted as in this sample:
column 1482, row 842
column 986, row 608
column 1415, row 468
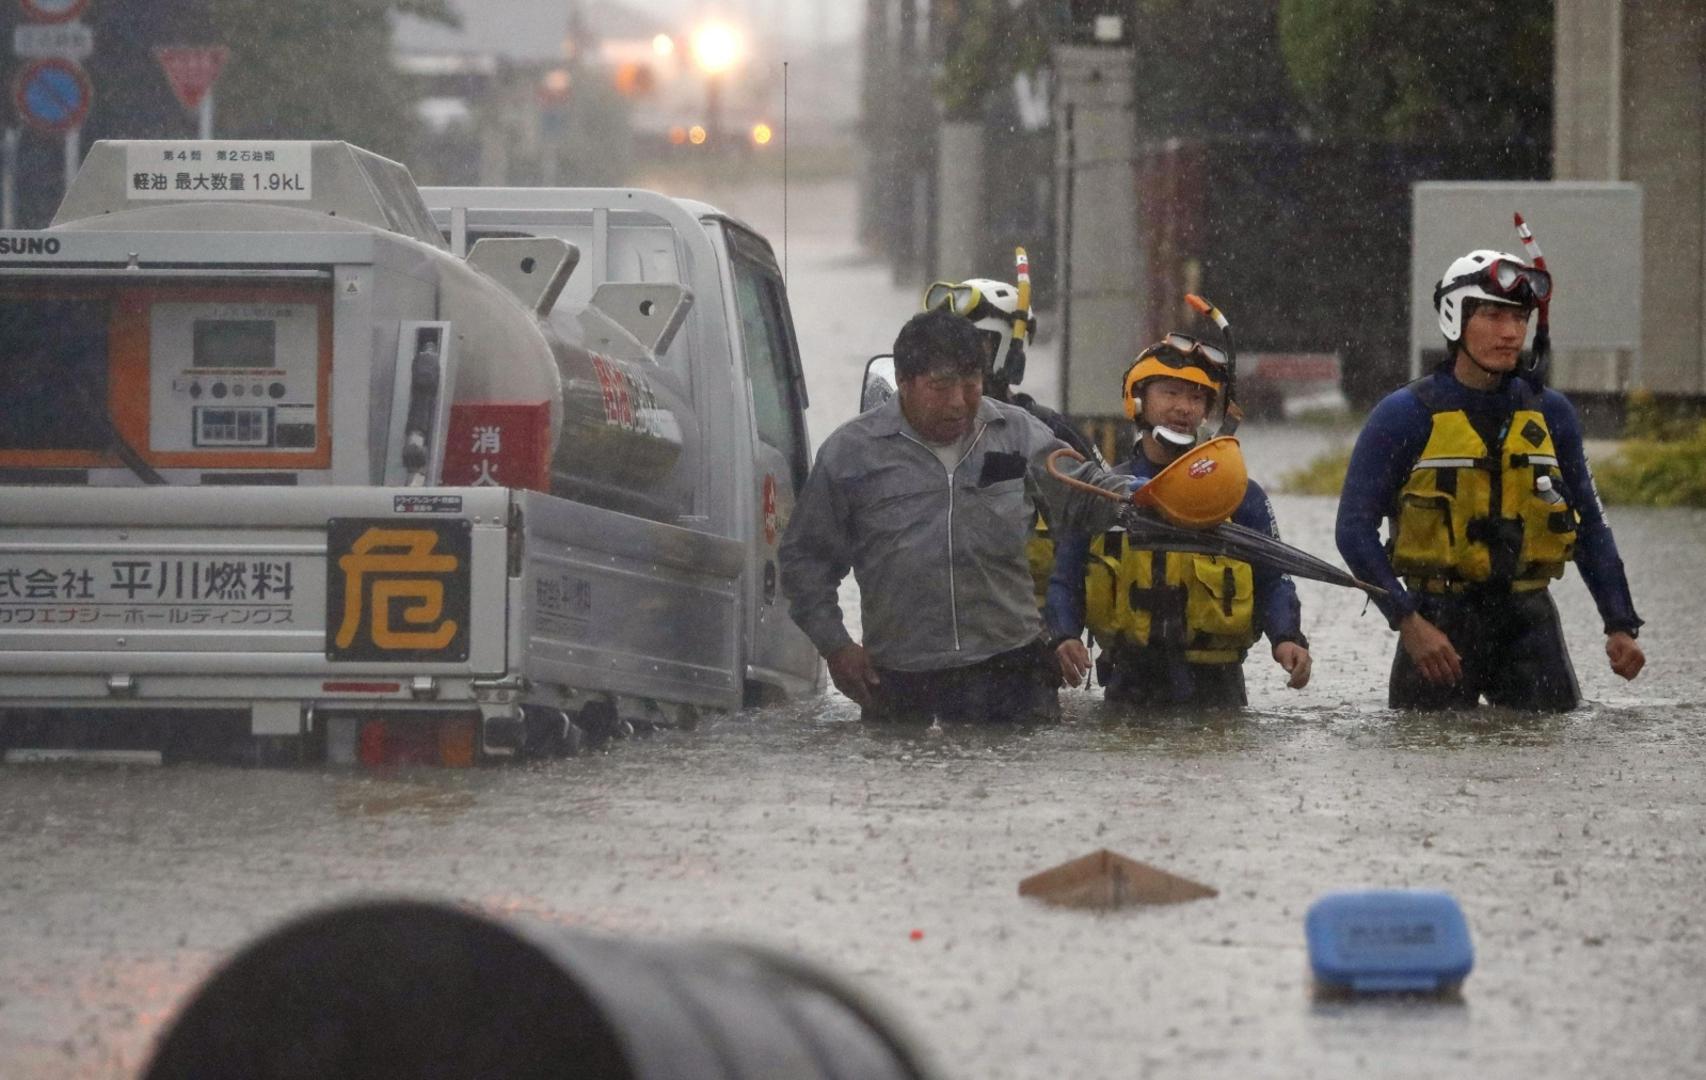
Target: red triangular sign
column 192, row 70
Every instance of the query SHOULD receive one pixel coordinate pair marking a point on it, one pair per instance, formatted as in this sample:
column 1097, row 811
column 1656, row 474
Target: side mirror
column 880, row 382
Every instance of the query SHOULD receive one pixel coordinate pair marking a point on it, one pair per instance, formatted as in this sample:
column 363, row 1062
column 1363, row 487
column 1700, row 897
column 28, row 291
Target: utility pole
column 906, row 113
column 876, row 163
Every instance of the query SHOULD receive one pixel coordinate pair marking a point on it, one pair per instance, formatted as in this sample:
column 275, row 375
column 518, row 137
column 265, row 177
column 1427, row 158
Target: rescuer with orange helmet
column 1174, row 626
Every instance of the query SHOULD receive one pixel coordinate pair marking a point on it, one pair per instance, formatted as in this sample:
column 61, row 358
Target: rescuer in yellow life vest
column 1173, row 627
column 1005, row 322
column 1482, row 477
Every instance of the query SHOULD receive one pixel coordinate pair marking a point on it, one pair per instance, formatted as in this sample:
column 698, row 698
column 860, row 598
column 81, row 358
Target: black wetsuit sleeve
column 1276, row 593
column 1063, row 610
column 1386, row 450
column 1596, row 557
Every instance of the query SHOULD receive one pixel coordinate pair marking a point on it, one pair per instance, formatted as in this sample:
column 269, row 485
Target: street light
column 716, row 50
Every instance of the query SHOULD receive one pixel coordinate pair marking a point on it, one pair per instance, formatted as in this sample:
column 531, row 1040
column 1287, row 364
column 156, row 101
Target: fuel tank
column 622, row 432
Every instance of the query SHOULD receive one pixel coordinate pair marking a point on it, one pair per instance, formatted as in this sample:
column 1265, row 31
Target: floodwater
column 1574, row 843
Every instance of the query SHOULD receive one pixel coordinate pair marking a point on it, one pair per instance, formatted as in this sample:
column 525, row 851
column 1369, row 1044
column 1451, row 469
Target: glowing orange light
column 716, row 48
column 696, row 135
column 761, row 134
column 677, row 135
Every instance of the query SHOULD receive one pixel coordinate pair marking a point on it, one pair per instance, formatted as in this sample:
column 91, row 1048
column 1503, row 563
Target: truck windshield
column 53, row 365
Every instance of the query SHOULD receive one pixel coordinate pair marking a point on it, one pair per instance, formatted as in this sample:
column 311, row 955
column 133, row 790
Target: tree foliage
column 316, row 69
column 1415, row 69
column 1209, row 67
column 985, row 44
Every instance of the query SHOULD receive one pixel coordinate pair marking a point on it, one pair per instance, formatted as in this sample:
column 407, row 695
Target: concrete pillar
column 1630, row 104
column 960, row 220
column 1100, row 248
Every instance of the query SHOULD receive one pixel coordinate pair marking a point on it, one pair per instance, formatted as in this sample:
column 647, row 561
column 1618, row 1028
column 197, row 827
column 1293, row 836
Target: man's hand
column 1074, row 661
column 1295, row 659
column 1627, row 659
column 851, row 671
column 1431, row 650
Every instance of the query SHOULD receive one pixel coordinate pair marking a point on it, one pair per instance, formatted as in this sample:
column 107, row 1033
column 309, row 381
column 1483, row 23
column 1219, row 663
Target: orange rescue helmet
column 1176, row 356
column 1202, row 487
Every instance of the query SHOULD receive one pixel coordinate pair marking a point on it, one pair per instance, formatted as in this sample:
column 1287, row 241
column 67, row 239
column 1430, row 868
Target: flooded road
column 1576, row 844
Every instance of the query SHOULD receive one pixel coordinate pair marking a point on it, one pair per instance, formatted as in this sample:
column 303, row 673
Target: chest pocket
column 1105, row 613
column 1220, row 599
column 894, row 507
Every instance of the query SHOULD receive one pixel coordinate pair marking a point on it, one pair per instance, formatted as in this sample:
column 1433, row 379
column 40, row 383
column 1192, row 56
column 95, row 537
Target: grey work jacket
column 939, row 556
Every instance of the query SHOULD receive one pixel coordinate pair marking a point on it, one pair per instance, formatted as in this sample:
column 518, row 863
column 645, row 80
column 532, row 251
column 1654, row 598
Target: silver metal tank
column 621, row 431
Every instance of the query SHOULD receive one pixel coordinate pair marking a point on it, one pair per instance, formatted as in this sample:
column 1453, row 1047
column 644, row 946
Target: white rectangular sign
column 49, row 592
column 73, row 40
column 1590, row 233
column 223, row 170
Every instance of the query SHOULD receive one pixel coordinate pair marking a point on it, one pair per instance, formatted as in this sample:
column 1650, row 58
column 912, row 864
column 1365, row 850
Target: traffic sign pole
column 9, row 180
column 73, row 154
column 205, row 115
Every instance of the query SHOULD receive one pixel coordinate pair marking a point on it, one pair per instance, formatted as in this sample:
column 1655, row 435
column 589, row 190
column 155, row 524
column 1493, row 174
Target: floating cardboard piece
column 1106, row 880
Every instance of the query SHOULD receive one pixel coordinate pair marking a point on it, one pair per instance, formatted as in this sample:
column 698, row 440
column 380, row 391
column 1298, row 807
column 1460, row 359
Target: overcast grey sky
column 533, row 29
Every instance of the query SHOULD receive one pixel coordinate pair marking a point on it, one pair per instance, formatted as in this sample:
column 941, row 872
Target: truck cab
column 738, row 321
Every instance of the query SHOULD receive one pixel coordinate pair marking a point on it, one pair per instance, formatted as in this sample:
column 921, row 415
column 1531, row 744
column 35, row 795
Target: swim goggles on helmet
column 966, row 301
column 1526, row 285
column 1183, row 351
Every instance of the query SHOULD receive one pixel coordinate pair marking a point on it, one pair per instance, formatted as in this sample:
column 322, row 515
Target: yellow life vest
column 1205, row 603
column 1039, row 554
column 1465, row 515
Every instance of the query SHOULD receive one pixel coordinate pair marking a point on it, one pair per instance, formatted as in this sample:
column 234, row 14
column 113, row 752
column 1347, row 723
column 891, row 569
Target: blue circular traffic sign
column 53, row 11
column 53, row 94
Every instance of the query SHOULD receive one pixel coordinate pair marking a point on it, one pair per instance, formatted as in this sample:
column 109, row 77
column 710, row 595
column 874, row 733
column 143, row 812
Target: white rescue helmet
column 993, row 307
column 1495, row 277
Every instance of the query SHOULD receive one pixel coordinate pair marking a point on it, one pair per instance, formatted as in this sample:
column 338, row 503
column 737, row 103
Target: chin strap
column 1173, row 440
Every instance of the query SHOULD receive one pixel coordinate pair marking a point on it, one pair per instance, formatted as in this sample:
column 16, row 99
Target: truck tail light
column 452, row 742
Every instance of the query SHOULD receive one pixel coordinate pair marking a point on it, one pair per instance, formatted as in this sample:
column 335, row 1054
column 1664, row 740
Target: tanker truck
column 295, row 464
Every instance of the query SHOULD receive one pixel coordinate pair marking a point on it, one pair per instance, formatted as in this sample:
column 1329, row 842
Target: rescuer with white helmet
column 1174, row 626
column 1480, row 278
column 1486, row 489
column 993, row 308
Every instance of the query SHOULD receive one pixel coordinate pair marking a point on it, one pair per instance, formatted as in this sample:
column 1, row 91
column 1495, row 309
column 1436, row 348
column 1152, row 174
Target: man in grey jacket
column 924, row 499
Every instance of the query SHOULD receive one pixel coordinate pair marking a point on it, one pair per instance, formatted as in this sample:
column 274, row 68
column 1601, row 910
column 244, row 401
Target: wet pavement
column 1575, row 844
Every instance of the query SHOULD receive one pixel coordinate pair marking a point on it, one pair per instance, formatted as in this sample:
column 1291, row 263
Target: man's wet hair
column 938, row 342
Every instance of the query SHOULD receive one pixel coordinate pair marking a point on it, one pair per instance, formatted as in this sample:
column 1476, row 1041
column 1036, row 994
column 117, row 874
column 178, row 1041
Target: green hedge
column 1657, row 472
column 1662, row 459
column 1325, row 475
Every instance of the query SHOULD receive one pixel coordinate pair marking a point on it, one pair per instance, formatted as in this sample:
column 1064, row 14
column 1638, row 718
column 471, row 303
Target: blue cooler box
column 1385, row 940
